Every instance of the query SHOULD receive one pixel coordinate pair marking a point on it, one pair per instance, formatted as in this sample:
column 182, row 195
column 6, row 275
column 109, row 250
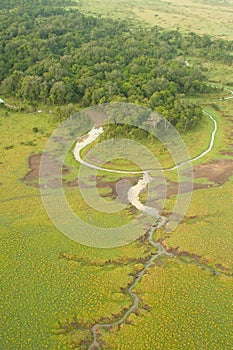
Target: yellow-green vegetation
column 48, row 280
column 203, row 17
column 38, row 287
column 54, row 289
column 207, row 229
column 18, row 142
column 152, row 152
column 185, row 311
column 92, row 214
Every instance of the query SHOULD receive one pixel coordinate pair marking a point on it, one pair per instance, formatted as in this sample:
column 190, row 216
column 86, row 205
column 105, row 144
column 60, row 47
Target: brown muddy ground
column 216, row 172
column 227, row 153
column 32, row 177
column 34, row 165
column 117, row 189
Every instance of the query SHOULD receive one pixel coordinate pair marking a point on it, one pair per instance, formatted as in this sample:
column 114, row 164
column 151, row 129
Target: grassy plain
column 203, row 17
column 186, row 311
column 38, row 287
column 207, row 229
column 48, row 280
column 43, row 291
column 145, row 149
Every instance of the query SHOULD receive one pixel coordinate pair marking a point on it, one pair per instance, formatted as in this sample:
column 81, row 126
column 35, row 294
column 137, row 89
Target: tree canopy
column 55, row 54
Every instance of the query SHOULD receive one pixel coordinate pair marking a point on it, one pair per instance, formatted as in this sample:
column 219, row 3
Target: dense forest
column 53, row 54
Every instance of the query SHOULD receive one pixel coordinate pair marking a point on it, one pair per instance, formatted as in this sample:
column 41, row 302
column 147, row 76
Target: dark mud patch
column 115, row 262
column 227, row 153
column 32, row 177
column 117, row 189
column 218, row 171
column 174, row 188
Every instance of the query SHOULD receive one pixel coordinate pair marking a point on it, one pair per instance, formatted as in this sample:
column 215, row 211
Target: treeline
column 53, row 54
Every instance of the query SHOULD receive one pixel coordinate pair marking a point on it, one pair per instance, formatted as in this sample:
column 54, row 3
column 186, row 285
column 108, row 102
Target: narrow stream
column 135, row 299
column 133, row 197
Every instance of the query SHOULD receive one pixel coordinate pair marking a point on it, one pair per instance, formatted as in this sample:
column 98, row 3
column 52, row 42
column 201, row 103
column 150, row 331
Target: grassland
column 49, row 281
column 202, row 17
column 206, row 231
column 186, row 311
column 38, row 288
column 146, row 153
column 200, row 234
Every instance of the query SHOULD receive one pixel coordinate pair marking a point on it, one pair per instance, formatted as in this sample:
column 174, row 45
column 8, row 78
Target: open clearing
column 203, row 17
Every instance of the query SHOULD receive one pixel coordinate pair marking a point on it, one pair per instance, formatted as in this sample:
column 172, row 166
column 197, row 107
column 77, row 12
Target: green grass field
column 186, row 311
column 54, row 290
column 202, row 17
column 49, row 280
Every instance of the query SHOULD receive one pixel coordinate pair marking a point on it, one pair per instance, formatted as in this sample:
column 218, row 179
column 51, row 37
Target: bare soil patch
column 217, row 171
column 32, row 177
column 173, row 188
column 227, row 153
column 117, row 189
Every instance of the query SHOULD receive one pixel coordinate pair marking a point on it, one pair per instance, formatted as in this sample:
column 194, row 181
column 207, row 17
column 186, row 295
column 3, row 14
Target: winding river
column 133, row 197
